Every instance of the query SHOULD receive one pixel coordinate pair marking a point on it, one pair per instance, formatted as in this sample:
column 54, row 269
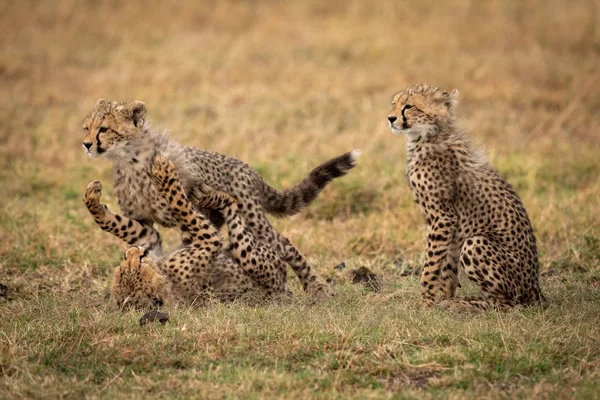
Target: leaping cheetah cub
column 472, row 214
column 201, row 269
column 119, row 132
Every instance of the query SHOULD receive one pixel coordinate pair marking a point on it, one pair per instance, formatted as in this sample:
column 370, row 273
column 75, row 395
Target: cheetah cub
column 474, row 217
column 200, row 270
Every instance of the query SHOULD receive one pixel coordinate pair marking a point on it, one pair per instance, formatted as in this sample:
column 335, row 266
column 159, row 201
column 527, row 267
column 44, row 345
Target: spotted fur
column 120, row 133
column 200, row 270
column 474, row 217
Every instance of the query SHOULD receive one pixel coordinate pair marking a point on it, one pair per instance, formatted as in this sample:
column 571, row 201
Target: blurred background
column 285, row 86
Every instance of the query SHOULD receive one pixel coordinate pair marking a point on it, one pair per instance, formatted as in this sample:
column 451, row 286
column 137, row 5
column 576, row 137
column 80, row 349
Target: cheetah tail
column 291, row 201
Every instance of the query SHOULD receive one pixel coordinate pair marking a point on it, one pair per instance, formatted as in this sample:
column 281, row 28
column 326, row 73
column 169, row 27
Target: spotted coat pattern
column 201, row 270
column 120, row 133
column 474, row 217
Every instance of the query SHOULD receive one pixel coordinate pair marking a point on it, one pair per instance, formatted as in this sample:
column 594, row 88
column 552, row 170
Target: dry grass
column 284, row 86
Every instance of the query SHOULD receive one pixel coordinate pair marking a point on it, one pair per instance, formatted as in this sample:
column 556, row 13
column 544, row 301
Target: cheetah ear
column 137, row 112
column 451, row 99
column 102, row 105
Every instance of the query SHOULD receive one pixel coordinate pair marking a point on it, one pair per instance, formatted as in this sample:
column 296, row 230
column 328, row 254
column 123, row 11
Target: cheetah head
column 137, row 283
column 111, row 128
column 421, row 110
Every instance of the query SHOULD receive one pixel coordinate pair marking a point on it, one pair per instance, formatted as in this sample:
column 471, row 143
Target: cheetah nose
column 392, row 119
column 87, row 145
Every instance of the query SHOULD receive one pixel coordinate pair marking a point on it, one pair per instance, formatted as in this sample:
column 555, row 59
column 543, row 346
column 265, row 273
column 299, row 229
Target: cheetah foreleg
column 439, row 239
column 129, row 230
column 189, row 267
column 449, row 274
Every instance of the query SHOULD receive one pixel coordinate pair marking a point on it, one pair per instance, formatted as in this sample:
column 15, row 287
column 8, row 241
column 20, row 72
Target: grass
column 285, row 86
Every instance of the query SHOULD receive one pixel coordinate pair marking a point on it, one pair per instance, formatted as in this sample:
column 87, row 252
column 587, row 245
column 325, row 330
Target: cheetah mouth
column 93, row 154
column 397, row 130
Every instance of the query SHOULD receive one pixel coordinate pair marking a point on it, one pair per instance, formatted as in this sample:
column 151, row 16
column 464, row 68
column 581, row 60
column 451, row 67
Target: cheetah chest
column 139, row 198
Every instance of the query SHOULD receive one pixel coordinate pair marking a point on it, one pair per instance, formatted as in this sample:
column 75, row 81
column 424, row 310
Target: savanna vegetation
column 285, row 86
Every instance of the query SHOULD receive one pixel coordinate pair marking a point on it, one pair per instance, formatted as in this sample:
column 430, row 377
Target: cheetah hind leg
column 482, row 261
column 316, row 287
column 189, row 267
column 258, row 260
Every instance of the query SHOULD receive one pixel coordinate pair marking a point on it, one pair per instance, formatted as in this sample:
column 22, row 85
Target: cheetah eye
column 103, row 129
column 85, row 128
column 407, row 107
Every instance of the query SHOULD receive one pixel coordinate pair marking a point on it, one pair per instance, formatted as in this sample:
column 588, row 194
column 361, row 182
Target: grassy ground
column 284, row 86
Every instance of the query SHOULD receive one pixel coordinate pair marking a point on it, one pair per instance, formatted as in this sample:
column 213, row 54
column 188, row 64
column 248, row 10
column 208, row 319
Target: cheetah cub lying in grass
column 119, row 132
column 201, row 269
column 473, row 216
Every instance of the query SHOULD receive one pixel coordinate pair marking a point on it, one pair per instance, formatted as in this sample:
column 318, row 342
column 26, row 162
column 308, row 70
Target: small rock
column 154, row 315
column 398, row 262
column 367, row 278
column 341, row 266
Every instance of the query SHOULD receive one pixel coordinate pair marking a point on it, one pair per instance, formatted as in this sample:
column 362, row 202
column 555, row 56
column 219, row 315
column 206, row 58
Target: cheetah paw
column 93, row 191
column 203, row 189
column 201, row 194
column 208, row 197
column 320, row 290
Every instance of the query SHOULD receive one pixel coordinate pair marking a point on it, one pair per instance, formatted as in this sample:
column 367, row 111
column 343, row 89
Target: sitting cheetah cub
column 200, row 270
column 473, row 216
column 119, row 132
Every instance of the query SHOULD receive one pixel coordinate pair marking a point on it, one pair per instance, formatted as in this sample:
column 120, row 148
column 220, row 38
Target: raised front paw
column 93, row 191
column 163, row 170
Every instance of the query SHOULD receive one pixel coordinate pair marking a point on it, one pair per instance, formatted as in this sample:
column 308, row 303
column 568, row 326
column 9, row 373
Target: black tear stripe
column 99, row 143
